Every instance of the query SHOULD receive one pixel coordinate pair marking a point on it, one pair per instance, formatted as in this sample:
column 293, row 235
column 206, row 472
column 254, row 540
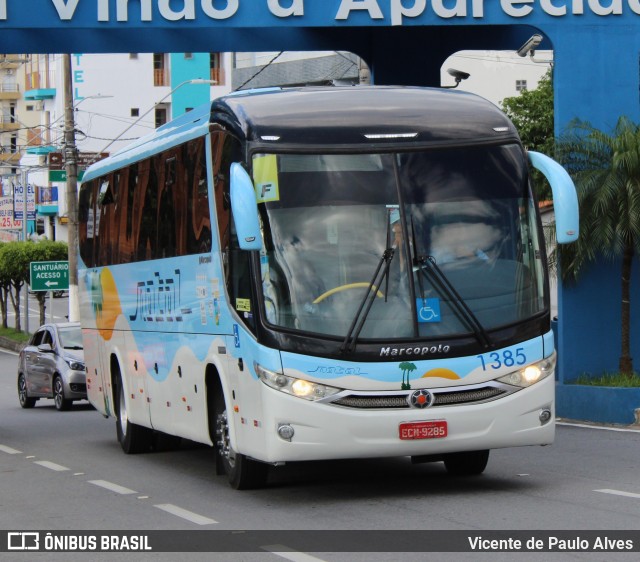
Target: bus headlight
column 296, row 387
column 531, row 374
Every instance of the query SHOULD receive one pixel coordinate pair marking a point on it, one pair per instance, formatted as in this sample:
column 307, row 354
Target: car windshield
column 419, row 244
column 70, row 337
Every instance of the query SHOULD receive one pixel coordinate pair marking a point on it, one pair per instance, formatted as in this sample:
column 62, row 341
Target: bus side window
column 127, row 239
column 198, row 227
column 236, row 262
column 165, row 166
column 147, row 197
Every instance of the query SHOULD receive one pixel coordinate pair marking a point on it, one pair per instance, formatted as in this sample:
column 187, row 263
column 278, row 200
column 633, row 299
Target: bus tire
column 468, row 463
column 132, row 438
column 242, row 472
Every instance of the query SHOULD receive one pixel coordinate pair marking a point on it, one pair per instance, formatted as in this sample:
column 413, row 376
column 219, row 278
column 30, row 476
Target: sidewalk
column 6, row 343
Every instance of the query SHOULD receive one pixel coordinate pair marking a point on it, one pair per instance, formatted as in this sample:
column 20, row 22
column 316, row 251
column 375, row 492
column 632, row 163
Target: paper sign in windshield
column 265, row 177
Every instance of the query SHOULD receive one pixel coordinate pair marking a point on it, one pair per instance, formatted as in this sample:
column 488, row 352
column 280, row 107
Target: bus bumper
column 323, row 431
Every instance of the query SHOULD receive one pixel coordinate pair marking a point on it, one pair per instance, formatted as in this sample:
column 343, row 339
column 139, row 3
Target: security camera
column 530, row 45
column 458, row 74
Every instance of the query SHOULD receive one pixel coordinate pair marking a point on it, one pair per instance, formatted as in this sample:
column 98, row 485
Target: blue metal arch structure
column 596, row 47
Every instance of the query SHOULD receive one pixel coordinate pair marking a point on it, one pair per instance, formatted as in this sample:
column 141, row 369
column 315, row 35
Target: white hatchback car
column 52, row 366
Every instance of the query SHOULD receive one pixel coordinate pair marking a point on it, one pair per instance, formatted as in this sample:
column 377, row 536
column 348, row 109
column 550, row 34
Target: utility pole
column 71, row 165
column 25, row 190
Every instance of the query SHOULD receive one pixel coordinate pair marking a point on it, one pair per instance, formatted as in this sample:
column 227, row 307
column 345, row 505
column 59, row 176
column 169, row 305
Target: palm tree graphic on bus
column 407, row 369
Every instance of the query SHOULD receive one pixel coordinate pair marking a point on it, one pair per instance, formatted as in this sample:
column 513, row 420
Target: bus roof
column 330, row 116
column 362, row 115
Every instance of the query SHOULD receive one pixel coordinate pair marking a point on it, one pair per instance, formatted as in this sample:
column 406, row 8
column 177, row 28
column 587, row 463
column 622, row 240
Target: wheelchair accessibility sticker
column 428, row 310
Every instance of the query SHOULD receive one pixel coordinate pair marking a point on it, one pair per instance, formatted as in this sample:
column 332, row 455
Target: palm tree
column 407, row 369
column 606, row 170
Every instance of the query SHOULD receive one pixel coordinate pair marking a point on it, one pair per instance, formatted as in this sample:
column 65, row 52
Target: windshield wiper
column 433, row 273
column 381, row 274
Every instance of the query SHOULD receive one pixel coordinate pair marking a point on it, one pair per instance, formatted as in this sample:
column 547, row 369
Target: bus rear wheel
column 242, row 472
column 469, row 463
column 132, row 438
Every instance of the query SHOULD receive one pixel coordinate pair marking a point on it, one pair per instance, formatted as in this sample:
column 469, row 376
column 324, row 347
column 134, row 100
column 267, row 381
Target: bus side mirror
column 565, row 199
column 245, row 209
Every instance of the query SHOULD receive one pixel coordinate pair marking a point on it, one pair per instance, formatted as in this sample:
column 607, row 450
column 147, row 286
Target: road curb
column 11, row 345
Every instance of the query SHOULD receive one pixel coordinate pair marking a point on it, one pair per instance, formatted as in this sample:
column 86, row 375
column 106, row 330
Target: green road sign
column 49, row 275
column 61, row 175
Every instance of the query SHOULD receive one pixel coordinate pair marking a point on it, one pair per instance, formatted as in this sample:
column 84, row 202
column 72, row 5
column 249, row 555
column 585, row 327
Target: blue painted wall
column 589, row 320
column 183, row 69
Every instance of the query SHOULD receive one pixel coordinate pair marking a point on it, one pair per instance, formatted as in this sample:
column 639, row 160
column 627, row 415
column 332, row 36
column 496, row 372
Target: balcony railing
column 10, row 157
column 217, row 75
column 160, row 77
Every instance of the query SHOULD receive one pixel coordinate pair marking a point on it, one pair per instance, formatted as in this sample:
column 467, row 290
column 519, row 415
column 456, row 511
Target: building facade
column 116, row 98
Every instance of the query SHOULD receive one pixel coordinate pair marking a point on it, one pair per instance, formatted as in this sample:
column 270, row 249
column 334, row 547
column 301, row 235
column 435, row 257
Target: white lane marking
column 112, row 487
column 51, row 465
column 619, row 493
column 188, row 515
column 9, row 450
column 290, row 554
column 587, row 426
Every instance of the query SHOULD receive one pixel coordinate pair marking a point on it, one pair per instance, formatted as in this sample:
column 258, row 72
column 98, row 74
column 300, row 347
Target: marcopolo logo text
column 414, row 351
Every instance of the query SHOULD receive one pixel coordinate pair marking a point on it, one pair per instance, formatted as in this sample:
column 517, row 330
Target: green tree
column 14, row 263
column 606, row 170
column 532, row 114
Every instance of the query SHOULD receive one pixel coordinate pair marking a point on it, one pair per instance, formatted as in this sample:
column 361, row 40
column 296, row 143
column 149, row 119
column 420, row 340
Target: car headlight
column 296, row 387
column 75, row 365
column 531, row 374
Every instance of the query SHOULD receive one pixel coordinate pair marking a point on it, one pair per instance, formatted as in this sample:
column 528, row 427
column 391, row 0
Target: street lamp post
column 192, row 81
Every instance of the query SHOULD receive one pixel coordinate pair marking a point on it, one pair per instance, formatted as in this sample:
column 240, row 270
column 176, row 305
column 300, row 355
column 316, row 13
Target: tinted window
column 153, row 209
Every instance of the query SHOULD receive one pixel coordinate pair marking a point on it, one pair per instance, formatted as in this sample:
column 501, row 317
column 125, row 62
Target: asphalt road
column 66, row 471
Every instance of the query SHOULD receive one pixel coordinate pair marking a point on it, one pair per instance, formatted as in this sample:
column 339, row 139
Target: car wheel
column 62, row 404
column 23, row 395
column 470, row 463
column 132, row 438
column 242, row 472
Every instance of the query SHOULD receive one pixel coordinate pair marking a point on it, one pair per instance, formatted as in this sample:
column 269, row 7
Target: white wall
column 494, row 73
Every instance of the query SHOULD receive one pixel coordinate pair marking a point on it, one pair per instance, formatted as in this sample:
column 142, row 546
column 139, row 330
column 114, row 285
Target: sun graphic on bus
column 105, row 301
column 441, row 373
column 407, row 368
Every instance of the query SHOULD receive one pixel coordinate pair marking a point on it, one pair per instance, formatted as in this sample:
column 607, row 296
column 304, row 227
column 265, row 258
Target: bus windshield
column 433, row 243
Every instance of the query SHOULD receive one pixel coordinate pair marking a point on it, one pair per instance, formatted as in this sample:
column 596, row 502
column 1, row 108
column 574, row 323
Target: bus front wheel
column 468, row 463
column 242, row 472
column 132, row 438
